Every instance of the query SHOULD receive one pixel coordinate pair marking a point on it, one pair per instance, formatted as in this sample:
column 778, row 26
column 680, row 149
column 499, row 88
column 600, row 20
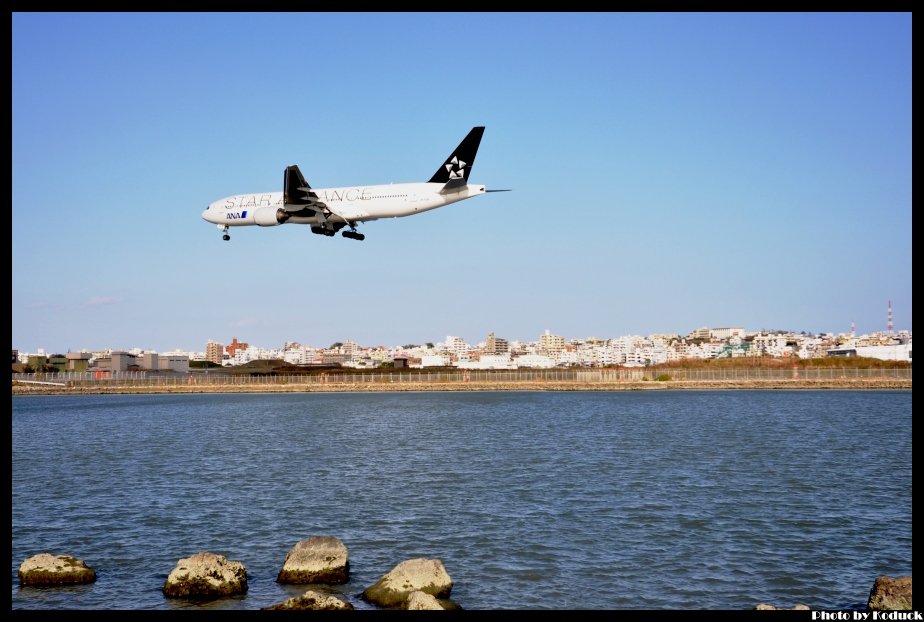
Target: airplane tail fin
column 459, row 163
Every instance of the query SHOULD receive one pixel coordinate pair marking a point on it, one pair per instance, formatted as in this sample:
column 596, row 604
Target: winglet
column 459, row 163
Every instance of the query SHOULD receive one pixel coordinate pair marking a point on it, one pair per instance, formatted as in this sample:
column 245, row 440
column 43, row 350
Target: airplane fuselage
column 347, row 204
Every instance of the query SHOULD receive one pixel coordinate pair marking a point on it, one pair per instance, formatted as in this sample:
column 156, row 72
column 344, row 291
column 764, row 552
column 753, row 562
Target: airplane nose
column 205, row 215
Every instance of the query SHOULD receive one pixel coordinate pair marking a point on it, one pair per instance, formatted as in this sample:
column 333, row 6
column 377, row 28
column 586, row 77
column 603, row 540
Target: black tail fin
column 459, row 163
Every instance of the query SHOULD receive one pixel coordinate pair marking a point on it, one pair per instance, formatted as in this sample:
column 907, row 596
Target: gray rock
column 769, row 607
column 425, row 575
column 312, row 601
column 206, row 575
column 48, row 569
column 890, row 594
column 318, row 559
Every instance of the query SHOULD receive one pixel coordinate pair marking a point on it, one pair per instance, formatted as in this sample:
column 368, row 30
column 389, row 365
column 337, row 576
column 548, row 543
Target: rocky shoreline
column 841, row 384
column 319, row 562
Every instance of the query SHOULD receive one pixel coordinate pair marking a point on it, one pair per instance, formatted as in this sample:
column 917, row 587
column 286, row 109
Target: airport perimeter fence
column 497, row 376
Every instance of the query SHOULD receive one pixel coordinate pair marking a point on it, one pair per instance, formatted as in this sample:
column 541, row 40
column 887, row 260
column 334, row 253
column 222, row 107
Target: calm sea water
column 625, row 500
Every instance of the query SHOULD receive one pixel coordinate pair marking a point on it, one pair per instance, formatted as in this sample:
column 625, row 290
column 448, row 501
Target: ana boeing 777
column 328, row 210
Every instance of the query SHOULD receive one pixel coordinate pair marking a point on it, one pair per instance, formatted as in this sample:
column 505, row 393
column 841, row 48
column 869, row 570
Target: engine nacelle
column 270, row 216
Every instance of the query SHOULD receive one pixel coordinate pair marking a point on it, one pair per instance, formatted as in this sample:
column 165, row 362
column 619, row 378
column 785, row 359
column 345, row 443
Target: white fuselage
column 348, row 204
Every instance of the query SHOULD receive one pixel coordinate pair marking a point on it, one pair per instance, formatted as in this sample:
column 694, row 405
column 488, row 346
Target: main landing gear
column 323, row 231
column 352, row 234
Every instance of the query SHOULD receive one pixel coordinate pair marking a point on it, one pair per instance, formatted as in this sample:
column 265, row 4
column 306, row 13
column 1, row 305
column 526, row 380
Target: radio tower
column 889, row 325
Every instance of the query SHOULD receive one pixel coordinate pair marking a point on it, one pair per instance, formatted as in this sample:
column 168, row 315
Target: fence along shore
column 467, row 380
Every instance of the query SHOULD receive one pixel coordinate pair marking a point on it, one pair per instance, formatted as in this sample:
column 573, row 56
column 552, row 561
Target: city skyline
column 242, row 341
column 669, row 171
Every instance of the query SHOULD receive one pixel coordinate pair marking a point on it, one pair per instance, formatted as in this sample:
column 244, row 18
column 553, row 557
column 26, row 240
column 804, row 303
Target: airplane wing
column 297, row 194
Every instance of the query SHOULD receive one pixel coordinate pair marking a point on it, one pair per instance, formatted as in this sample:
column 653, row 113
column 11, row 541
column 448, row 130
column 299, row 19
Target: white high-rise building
column 455, row 346
column 551, row 344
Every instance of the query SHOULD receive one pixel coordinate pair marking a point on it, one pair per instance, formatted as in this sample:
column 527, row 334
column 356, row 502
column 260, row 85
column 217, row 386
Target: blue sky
column 669, row 171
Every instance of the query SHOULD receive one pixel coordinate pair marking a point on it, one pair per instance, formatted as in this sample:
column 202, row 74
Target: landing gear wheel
column 226, row 237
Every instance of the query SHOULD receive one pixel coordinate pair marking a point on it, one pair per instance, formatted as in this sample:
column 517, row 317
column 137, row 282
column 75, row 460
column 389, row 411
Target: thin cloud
column 99, row 301
column 247, row 323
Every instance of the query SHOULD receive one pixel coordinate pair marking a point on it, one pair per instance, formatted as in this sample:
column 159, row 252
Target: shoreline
column 532, row 385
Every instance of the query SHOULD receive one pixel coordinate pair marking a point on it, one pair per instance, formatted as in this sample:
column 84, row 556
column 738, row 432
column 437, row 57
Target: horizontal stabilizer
column 453, row 185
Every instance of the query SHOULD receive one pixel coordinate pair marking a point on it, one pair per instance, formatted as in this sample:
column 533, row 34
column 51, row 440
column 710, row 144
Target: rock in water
column 889, row 594
column 206, row 575
column 318, row 559
column 48, row 569
column 424, row 575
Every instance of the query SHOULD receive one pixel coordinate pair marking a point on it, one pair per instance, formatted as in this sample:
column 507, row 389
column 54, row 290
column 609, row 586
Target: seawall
column 115, row 387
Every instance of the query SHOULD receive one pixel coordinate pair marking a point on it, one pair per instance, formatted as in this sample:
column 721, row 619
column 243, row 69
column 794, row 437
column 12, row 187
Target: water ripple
column 661, row 500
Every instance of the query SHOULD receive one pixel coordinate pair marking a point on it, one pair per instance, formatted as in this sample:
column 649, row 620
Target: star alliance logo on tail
column 455, row 173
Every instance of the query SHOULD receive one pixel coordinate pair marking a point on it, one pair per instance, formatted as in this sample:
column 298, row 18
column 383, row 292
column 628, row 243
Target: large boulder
column 206, row 575
column 312, row 601
column 889, row 594
column 394, row 588
column 318, row 559
column 48, row 569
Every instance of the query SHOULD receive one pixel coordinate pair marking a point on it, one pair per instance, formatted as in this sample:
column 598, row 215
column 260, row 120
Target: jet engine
column 270, row 216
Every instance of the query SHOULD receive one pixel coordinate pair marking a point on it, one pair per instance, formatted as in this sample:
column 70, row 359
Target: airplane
column 328, row 210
